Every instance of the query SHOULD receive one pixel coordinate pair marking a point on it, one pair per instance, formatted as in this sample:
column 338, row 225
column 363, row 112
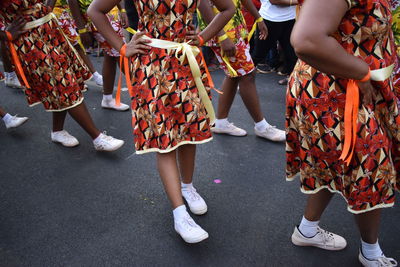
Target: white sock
column 179, row 212
column 10, row 74
column 308, row 228
column 221, row 123
column 371, row 251
column 262, row 125
column 107, row 97
column 185, row 186
column 7, row 118
column 96, row 74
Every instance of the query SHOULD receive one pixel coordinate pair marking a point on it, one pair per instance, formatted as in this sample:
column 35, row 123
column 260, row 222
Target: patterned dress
column 236, row 30
column 395, row 6
column 315, row 124
column 65, row 20
column 51, row 66
column 114, row 21
column 166, row 107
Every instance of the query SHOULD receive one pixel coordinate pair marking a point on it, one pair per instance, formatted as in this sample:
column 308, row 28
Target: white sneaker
column 196, row 203
column 271, row 133
column 97, row 78
column 12, row 81
column 323, row 239
column 379, row 262
column 112, row 105
column 190, row 231
column 229, row 129
column 107, row 143
column 64, row 138
column 15, row 121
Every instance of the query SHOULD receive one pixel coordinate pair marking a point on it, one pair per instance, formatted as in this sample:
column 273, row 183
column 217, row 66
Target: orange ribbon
column 350, row 119
column 16, row 60
column 124, row 68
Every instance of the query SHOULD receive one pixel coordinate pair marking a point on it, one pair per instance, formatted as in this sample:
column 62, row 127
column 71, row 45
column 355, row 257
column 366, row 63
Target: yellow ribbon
column 253, row 29
column 188, row 52
column 382, row 74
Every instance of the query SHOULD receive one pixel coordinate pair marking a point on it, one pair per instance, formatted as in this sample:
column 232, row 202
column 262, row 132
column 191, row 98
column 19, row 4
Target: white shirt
column 276, row 13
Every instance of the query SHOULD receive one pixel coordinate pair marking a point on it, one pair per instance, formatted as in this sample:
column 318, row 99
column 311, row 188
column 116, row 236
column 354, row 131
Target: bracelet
column 81, row 31
column 260, row 19
column 366, row 77
column 122, row 10
column 291, row 2
column 222, row 38
column 201, row 40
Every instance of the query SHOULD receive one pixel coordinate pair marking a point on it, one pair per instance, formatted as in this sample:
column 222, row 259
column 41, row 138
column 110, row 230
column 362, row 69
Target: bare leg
column 2, row 112
column 186, row 157
column 169, row 173
column 109, row 71
column 316, row 205
column 368, row 225
column 229, row 87
column 85, row 58
column 58, row 120
column 81, row 115
column 248, row 92
column 5, row 56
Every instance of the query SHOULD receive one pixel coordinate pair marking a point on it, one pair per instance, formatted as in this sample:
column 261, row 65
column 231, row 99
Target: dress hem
column 140, row 152
column 289, row 179
column 59, row 110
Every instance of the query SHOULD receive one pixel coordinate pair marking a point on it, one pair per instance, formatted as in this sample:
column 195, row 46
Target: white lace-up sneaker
column 64, row 138
column 97, row 78
column 15, row 121
column 107, row 143
column 379, row 262
column 190, row 231
column 196, row 203
column 271, row 133
column 12, row 80
column 323, row 239
column 110, row 104
column 229, row 129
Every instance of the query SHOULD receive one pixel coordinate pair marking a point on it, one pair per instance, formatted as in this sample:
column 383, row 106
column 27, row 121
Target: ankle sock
column 107, row 97
column 184, row 186
column 10, row 74
column 96, row 74
column 262, row 125
column 308, row 228
column 221, row 123
column 7, row 118
column 371, row 251
column 179, row 212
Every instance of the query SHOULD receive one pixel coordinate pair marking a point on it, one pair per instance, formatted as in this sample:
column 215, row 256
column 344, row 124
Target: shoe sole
column 213, row 130
column 277, row 141
column 199, row 212
column 304, row 244
column 115, row 109
column 264, row 72
column 111, row 150
column 14, row 86
column 65, row 145
column 195, row 240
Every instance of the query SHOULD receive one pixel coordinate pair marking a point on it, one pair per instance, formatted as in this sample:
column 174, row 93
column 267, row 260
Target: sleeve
column 350, row 3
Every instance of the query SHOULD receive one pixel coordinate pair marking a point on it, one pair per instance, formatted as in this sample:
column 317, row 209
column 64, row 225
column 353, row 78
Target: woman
column 171, row 108
column 233, row 45
column 51, row 71
column 334, row 142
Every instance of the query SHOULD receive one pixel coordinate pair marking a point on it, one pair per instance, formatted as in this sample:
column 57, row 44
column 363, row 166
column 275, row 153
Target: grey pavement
column 78, row 207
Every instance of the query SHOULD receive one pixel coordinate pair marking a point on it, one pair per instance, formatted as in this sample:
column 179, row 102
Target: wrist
column 122, row 10
column 222, row 38
column 259, row 19
column 366, row 77
column 201, row 40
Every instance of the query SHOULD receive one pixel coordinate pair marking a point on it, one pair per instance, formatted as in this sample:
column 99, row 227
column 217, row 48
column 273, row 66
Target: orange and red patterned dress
column 52, row 68
column 315, row 118
column 167, row 110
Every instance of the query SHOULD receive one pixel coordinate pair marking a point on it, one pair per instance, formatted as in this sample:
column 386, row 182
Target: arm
column 15, row 28
column 248, row 4
column 227, row 46
column 123, row 17
column 284, row 2
column 313, row 43
column 76, row 14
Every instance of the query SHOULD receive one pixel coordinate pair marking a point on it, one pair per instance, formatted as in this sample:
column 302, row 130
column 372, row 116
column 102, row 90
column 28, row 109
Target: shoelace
column 387, row 262
column 188, row 223
column 192, row 194
column 106, row 137
column 327, row 236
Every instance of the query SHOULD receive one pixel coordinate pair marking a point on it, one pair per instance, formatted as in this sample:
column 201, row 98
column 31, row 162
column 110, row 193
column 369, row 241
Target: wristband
column 122, row 10
column 260, row 19
column 81, row 31
column 222, row 37
column 366, row 77
column 201, row 40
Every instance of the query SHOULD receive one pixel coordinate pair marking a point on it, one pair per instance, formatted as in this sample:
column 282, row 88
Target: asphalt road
column 78, row 207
